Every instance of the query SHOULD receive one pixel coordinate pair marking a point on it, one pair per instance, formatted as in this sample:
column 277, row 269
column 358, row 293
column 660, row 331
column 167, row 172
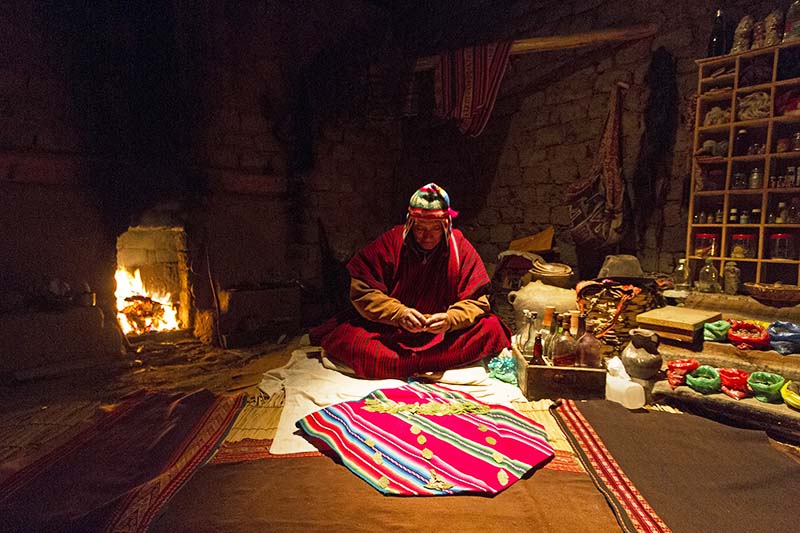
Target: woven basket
column 601, row 308
column 776, row 295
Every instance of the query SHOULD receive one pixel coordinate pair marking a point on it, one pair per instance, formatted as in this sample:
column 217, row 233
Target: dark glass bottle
column 538, row 351
column 565, row 350
column 551, row 337
column 590, row 350
column 718, row 41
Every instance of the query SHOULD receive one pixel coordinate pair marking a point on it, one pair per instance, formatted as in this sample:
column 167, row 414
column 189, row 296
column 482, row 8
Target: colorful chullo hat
column 431, row 202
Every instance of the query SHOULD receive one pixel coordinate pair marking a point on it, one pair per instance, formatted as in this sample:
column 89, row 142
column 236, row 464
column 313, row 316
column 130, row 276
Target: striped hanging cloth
column 466, row 84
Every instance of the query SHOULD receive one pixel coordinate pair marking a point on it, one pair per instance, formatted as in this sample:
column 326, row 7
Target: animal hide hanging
column 652, row 176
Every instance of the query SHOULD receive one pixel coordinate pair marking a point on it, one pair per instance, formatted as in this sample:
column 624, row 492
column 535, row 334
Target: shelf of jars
column 745, row 201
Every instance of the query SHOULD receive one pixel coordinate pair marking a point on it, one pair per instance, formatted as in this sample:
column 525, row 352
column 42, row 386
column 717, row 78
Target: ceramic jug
column 535, row 295
column 640, row 357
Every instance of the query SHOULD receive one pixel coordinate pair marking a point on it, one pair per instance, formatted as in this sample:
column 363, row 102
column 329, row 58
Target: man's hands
column 416, row 322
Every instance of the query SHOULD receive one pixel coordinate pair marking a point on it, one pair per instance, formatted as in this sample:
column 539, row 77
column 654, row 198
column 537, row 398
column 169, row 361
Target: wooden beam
column 563, row 42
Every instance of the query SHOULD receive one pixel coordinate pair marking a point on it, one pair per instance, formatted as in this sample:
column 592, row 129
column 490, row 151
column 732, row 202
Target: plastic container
column 628, row 393
column 706, row 244
column 781, row 246
column 743, row 245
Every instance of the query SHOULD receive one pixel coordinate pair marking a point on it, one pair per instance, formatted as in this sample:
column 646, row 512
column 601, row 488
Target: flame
column 131, row 286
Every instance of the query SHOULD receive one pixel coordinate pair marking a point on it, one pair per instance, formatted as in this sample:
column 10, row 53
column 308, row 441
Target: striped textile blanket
column 663, row 472
column 119, row 471
column 426, row 439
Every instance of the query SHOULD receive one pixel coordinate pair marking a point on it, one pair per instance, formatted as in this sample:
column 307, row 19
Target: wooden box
column 682, row 325
column 538, row 382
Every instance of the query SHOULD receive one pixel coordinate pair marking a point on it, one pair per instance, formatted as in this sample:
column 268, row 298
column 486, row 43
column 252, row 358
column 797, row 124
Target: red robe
column 450, row 273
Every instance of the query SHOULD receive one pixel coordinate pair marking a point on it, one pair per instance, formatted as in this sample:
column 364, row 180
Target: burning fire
column 140, row 311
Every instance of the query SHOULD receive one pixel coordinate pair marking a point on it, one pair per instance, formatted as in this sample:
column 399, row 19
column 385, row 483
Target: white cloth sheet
column 310, row 386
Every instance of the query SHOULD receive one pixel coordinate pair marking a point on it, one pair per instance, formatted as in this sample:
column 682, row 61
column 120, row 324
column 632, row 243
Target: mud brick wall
column 259, row 119
column 550, row 114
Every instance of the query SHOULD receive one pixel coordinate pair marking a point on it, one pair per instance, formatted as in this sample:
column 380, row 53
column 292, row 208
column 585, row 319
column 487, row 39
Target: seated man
column 420, row 295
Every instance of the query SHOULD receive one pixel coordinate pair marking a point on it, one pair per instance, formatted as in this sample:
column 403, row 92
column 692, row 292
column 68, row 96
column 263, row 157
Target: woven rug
column 662, row 471
column 319, row 494
column 116, row 473
column 251, row 435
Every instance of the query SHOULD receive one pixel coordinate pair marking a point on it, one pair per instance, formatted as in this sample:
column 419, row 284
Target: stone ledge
column 779, row 421
column 721, row 355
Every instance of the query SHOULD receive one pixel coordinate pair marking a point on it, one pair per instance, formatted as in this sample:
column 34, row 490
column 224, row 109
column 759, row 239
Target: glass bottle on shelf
column 733, row 216
column 740, row 142
column 756, row 179
column 680, row 276
column 731, row 277
column 718, row 40
column 781, row 213
column 708, row 278
column 744, row 218
column 718, row 216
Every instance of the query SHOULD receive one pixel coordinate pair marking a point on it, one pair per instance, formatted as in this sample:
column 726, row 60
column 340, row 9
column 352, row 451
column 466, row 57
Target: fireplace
column 153, row 285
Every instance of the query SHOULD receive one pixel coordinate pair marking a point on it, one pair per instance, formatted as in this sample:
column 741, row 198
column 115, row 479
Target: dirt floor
column 40, row 409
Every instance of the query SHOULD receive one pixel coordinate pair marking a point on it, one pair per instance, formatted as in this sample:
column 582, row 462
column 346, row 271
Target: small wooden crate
column 538, row 382
column 681, row 325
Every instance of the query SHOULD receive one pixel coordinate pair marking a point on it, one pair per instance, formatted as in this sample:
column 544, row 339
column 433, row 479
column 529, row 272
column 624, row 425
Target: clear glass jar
column 781, row 246
column 756, row 179
column 680, row 276
column 743, row 245
column 706, row 244
column 708, row 278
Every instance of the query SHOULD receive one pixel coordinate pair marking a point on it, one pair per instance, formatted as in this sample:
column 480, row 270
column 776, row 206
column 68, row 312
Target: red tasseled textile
column 447, row 275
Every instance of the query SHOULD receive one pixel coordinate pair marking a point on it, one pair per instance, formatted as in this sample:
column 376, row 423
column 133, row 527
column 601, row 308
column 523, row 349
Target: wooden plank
column 677, row 318
column 563, row 42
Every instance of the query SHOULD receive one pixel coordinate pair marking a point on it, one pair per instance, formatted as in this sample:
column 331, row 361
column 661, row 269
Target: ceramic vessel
column 535, row 296
column 640, row 357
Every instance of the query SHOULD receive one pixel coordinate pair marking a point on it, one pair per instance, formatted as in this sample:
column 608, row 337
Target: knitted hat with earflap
column 430, row 202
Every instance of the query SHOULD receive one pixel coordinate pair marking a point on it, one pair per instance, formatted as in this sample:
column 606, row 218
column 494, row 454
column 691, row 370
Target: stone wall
column 549, row 117
column 109, row 111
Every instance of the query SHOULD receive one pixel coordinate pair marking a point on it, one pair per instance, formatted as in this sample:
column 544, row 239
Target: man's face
column 428, row 233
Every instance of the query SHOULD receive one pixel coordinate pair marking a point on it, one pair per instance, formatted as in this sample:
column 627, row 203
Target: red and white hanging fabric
column 467, row 82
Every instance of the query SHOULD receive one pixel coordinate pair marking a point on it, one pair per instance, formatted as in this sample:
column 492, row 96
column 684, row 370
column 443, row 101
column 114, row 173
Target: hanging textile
column 467, row 81
column 596, row 201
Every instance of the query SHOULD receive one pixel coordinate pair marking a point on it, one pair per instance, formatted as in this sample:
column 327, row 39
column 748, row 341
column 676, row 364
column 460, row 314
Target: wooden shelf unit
column 720, row 83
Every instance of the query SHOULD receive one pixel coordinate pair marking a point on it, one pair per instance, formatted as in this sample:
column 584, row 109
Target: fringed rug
column 120, row 470
column 666, row 472
column 251, row 436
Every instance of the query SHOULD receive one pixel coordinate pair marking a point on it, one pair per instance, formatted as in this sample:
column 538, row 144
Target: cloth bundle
column 716, row 331
column 704, row 379
column 734, row 382
column 766, row 386
column 784, row 337
column 748, row 336
column 677, row 370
